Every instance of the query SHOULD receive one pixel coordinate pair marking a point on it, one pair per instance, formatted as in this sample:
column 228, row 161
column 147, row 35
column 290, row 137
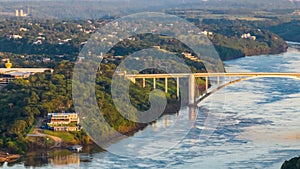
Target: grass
column 63, row 152
column 30, row 131
column 44, row 140
column 65, row 136
column 31, row 139
column 50, row 141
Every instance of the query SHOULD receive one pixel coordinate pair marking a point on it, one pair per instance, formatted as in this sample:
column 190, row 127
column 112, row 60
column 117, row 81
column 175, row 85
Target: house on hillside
column 248, row 36
column 63, row 121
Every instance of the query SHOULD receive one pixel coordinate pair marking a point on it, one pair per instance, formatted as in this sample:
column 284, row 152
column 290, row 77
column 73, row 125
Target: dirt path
column 39, row 124
column 39, row 132
column 58, row 141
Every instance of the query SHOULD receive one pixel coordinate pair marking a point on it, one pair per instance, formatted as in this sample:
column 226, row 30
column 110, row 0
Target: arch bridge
column 209, row 77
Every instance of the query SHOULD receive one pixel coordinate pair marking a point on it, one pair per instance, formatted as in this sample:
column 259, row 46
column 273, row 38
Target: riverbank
column 6, row 157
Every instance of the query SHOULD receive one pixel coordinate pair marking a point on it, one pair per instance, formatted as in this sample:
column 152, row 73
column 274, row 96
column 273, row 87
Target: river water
column 256, row 126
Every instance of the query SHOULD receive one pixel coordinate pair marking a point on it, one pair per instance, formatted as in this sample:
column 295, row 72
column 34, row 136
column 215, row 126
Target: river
column 257, row 126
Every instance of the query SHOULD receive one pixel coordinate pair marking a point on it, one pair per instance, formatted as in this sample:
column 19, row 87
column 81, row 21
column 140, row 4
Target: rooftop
column 58, row 114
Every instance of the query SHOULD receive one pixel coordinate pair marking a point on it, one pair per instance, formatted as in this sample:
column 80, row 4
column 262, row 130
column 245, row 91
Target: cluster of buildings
column 6, row 77
column 14, row 36
column 63, row 41
column 296, row 12
column 63, row 122
column 190, row 56
column 207, row 33
column 39, row 39
column 20, row 13
column 248, row 36
column 8, row 73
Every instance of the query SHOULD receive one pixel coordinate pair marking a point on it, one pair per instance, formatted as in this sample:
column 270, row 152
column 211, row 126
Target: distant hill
column 79, row 9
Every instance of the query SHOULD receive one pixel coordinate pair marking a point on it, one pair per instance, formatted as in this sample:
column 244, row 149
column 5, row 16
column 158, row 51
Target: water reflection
column 61, row 160
column 54, row 158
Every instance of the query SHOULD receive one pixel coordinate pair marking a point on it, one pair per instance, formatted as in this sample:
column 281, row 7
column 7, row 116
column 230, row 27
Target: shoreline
column 10, row 158
column 293, row 43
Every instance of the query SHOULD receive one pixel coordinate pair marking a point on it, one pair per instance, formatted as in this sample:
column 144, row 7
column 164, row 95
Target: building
column 76, row 148
column 21, row 13
column 8, row 73
column 14, row 36
column 207, row 33
column 37, row 42
column 65, row 128
column 23, row 29
column 63, row 118
column 46, row 60
column 248, row 36
column 63, row 121
column 7, row 77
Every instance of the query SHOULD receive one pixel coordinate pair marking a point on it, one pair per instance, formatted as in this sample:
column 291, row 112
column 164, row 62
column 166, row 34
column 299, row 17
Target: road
column 38, row 132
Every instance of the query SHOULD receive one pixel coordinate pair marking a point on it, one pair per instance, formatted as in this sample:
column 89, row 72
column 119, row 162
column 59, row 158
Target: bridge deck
column 191, row 78
column 235, row 74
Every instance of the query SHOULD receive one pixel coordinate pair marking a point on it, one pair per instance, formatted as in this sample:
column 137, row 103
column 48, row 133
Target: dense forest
column 289, row 30
column 23, row 100
column 26, row 42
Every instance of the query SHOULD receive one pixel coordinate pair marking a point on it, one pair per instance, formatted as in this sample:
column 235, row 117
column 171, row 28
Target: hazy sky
column 96, row 8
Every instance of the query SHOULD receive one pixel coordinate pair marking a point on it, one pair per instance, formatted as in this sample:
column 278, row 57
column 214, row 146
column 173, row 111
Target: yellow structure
column 17, row 12
column 62, row 118
column 8, row 65
column 22, row 12
column 63, row 121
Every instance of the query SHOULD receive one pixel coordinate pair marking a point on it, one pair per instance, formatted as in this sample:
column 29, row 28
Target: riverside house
column 63, row 121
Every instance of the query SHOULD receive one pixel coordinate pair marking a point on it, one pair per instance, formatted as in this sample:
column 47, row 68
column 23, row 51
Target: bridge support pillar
column 206, row 83
column 144, row 82
column 177, row 87
column 132, row 80
column 166, row 121
column 166, row 85
column 191, row 89
column 154, row 83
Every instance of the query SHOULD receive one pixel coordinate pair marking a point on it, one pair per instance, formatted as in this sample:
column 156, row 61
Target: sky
column 96, row 8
